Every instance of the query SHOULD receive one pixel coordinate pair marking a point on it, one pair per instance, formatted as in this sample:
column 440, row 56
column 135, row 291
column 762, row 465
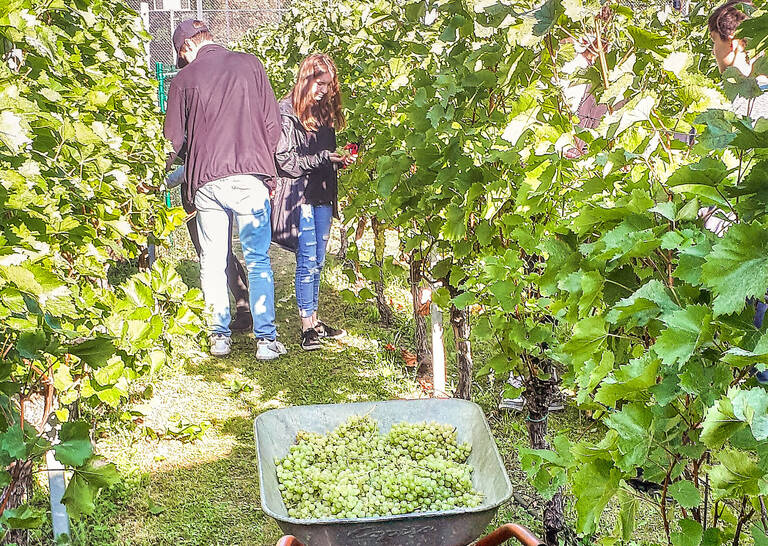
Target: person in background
column 730, row 51
column 306, row 199
column 237, row 278
column 222, row 110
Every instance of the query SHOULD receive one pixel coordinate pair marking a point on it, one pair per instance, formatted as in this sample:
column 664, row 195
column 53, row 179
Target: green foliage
column 81, row 154
column 596, row 260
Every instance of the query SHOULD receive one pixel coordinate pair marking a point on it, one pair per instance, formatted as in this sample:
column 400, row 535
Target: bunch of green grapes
column 355, row 472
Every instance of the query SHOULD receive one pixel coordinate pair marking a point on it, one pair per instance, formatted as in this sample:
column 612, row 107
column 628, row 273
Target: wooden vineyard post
column 423, row 354
column 379, row 242
column 461, row 333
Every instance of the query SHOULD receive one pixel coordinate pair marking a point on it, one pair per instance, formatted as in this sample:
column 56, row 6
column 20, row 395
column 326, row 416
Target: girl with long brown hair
column 306, row 198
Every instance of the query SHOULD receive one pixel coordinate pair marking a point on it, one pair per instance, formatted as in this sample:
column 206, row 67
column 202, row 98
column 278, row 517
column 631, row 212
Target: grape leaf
column 592, row 290
column 707, row 171
column 645, row 39
column 690, row 533
column 687, row 330
column 589, row 336
column 736, row 84
column 720, row 424
column 12, row 443
column 752, row 407
column 591, row 373
column 546, row 16
column 759, row 536
column 646, row 303
column 632, row 424
column 737, row 268
column 712, row 537
column 75, row 447
column 630, row 381
column 98, row 473
column 96, row 352
column 78, row 497
column 595, row 483
column 23, row 517
column 30, row 343
column 685, row 493
column 737, row 474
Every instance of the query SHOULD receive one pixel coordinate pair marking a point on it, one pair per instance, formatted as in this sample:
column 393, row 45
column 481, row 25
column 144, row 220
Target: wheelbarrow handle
column 510, row 530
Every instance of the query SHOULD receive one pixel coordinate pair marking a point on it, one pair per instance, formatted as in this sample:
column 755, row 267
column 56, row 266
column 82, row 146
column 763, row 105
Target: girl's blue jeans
column 314, row 231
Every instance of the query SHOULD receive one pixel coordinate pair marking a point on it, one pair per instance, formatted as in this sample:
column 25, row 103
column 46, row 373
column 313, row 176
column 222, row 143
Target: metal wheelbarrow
column 275, row 432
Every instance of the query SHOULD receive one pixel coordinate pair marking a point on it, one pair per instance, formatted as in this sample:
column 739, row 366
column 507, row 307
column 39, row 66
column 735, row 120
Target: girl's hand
column 349, row 159
column 337, row 158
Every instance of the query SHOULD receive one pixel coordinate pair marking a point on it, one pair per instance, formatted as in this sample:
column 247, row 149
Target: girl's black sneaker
column 328, row 332
column 310, row 340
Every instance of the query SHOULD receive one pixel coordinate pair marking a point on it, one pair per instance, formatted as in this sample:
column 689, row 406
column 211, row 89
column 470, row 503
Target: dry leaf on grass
column 426, row 385
column 409, row 357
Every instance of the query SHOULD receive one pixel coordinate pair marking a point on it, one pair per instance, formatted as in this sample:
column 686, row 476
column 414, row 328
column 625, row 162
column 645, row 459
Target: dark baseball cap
column 186, row 30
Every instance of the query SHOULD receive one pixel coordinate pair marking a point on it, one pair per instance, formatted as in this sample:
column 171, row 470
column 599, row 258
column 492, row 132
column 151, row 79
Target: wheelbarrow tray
column 275, row 432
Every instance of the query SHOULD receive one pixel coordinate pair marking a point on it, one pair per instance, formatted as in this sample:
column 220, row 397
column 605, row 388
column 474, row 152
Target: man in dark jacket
column 222, row 110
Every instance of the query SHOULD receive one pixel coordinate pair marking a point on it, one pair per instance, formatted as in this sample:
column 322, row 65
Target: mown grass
column 206, row 491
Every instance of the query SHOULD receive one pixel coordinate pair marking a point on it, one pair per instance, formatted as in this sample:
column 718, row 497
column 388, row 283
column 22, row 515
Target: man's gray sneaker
column 221, row 345
column 268, row 349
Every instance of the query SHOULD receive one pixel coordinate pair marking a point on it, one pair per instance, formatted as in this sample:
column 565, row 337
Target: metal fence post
column 229, row 28
column 160, row 75
column 144, row 9
column 58, row 485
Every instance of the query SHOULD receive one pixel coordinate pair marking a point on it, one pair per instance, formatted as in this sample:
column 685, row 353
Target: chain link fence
column 228, row 21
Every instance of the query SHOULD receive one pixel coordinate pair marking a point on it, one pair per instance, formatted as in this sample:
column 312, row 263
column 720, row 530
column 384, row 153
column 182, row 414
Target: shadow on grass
column 189, row 270
column 353, row 369
column 335, row 374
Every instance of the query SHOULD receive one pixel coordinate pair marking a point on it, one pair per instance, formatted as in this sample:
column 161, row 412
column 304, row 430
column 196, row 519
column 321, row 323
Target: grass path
column 206, row 491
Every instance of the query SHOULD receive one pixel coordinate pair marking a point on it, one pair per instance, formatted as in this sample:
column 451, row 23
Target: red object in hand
column 351, row 149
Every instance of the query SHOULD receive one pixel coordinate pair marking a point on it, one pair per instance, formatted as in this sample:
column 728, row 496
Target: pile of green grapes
column 355, row 472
